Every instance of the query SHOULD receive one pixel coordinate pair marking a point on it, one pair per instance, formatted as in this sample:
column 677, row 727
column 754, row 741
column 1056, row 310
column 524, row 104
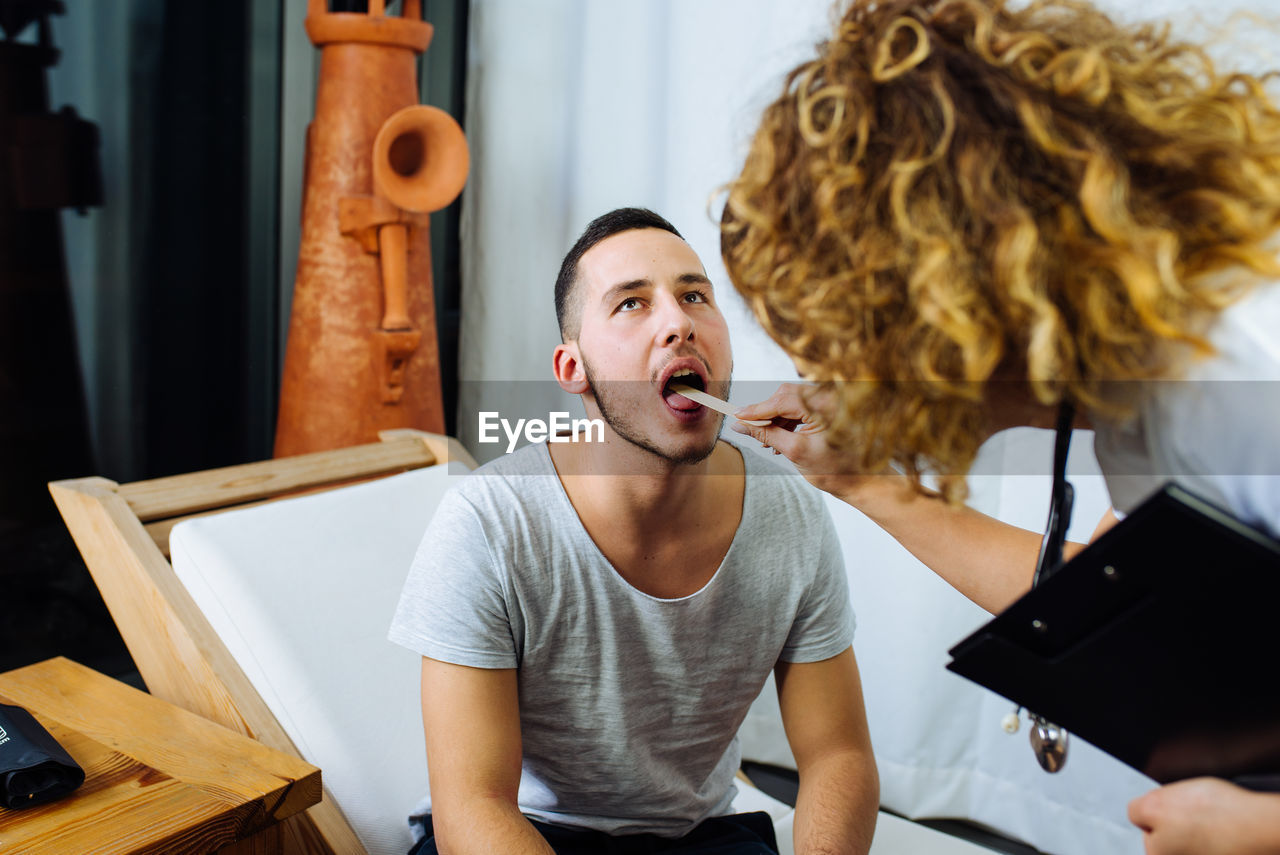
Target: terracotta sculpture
column 362, row 354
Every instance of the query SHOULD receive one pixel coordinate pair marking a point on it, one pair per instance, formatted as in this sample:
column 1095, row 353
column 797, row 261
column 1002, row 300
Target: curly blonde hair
column 954, row 186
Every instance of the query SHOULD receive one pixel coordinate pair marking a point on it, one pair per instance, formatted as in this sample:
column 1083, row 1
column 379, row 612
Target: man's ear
column 569, row 369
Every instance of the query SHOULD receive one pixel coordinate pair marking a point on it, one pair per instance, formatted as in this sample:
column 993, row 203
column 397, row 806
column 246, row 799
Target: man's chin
column 683, row 450
column 692, row 456
column 691, row 447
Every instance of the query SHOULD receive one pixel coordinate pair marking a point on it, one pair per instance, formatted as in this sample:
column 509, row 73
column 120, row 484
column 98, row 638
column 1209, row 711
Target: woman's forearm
column 988, row 561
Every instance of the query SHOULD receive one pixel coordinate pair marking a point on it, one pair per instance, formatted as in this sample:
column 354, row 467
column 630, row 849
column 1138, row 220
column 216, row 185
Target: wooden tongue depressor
column 714, row 403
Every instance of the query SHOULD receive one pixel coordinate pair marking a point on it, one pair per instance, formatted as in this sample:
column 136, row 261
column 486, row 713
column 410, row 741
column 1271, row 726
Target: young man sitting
column 596, row 617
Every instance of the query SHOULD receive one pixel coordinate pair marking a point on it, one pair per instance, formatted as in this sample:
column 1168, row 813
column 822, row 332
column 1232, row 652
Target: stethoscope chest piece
column 1048, row 743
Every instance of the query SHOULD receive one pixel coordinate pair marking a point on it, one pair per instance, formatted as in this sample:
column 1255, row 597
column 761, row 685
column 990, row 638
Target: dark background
column 185, row 254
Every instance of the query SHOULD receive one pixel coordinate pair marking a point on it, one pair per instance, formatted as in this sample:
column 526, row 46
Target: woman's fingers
column 784, row 404
column 782, row 440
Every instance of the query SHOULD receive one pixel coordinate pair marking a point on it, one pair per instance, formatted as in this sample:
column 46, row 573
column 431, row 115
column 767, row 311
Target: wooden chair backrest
column 122, row 531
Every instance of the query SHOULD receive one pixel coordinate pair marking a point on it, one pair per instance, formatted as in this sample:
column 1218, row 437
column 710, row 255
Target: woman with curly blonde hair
column 959, row 215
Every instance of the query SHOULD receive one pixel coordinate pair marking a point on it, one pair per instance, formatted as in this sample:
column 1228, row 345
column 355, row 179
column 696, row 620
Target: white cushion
column 302, row 591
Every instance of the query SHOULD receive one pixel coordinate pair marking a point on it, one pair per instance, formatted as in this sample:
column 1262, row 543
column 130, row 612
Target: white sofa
column 301, row 592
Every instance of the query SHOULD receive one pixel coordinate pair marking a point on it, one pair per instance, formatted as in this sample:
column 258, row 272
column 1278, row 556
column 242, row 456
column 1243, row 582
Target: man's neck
column 635, row 482
column 640, row 515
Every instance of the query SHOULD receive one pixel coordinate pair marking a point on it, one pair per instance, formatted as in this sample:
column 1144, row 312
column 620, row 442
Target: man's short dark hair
column 568, row 314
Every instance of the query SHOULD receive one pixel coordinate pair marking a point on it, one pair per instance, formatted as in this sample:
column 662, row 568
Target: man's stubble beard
column 620, row 424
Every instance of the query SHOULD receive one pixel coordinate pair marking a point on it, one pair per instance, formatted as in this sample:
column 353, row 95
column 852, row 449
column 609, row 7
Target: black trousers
column 739, row 834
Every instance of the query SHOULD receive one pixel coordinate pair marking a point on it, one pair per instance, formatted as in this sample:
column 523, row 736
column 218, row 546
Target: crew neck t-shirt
column 629, row 703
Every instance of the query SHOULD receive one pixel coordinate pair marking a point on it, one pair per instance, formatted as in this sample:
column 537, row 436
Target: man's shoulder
column 785, row 522
column 500, row 502
column 532, row 460
column 513, row 477
column 529, row 460
column 780, row 481
column 779, row 500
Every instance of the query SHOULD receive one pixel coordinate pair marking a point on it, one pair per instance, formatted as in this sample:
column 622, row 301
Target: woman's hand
column 988, row 561
column 796, row 434
column 1207, row 816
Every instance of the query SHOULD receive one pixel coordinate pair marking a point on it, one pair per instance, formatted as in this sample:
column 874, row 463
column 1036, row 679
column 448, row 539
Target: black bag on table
column 34, row 768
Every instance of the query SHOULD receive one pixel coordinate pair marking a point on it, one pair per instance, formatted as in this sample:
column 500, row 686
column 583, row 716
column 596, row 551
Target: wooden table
column 158, row 778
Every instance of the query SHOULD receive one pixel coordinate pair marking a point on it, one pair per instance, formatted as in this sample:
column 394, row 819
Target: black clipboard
column 1159, row 643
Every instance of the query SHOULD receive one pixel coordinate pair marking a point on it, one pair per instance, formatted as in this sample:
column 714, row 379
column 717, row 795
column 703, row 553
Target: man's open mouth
column 686, row 377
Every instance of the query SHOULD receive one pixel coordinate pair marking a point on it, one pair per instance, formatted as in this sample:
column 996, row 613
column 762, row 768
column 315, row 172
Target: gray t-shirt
column 629, row 704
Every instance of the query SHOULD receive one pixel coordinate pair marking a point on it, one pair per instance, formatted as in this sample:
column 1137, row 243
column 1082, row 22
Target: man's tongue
column 676, row 401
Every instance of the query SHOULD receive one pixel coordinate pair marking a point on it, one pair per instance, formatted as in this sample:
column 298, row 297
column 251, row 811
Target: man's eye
column 628, row 304
column 695, row 297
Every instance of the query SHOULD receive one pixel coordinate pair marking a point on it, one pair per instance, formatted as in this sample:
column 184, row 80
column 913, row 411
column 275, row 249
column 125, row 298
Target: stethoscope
column 1048, row 740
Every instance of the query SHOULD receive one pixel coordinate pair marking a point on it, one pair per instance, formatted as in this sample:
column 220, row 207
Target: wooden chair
column 122, row 531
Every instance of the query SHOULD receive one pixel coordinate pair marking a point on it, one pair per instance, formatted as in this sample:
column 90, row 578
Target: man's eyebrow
column 621, row 288
column 625, row 288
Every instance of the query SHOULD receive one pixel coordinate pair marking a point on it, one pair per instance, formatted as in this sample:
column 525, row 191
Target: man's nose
column 677, row 326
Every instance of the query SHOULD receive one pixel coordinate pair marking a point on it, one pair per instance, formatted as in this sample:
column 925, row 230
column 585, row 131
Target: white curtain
column 576, row 107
